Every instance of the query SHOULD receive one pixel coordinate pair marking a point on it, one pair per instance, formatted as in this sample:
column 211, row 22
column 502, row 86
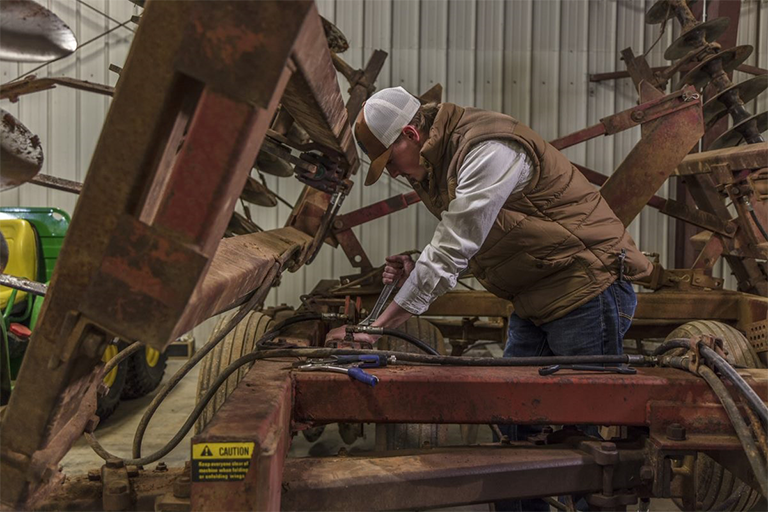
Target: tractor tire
column 115, row 379
column 404, row 436
column 240, row 341
column 145, row 372
column 716, row 484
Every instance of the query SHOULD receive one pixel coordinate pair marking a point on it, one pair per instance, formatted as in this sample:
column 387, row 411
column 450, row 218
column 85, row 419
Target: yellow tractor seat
column 22, row 256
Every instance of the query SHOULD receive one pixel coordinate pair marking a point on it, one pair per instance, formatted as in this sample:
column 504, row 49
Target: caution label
column 220, row 462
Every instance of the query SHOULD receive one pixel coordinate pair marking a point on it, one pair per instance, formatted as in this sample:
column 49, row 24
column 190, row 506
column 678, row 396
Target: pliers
column 355, row 371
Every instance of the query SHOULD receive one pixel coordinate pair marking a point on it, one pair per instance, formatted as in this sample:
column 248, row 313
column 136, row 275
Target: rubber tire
column 240, row 341
column 142, row 379
column 405, row 436
column 716, row 484
column 107, row 404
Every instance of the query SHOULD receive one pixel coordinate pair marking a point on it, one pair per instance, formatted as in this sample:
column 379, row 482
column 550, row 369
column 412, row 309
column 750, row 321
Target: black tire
column 240, row 341
column 716, row 484
column 107, row 404
column 143, row 376
column 404, row 436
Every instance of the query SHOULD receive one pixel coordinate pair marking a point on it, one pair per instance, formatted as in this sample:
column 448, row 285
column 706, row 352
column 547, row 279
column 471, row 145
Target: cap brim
column 377, row 167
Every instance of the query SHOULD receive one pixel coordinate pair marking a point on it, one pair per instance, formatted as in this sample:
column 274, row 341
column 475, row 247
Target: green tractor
column 34, row 238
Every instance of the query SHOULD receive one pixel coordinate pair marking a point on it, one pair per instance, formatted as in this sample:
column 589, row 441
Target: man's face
column 404, row 158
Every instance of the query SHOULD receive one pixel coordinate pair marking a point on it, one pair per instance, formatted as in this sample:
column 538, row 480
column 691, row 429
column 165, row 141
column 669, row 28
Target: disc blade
column 337, row 41
column 748, row 90
column 730, row 59
column 21, row 157
column 272, row 165
column 710, row 30
column 659, row 11
column 733, row 137
column 256, row 193
column 32, row 33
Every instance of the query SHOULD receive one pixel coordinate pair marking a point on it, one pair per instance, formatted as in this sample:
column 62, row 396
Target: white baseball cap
column 379, row 124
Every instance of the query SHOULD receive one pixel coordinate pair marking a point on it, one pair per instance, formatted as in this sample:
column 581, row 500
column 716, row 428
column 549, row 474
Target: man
column 515, row 212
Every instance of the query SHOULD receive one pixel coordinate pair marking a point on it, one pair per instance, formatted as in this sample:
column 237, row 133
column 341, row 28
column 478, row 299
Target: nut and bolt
column 161, row 467
column 676, row 432
column 181, row 487
column 637, row 115
column 646, row 473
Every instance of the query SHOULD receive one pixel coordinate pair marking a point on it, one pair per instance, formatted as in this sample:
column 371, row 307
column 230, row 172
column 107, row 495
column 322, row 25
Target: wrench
column 379, row 306
column 624, row 370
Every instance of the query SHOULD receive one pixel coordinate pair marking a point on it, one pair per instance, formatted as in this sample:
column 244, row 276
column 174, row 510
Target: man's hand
column 399, row 266
column 340, row 332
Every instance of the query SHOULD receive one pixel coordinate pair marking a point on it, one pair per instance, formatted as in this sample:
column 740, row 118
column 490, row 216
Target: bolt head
column 676, row 432
column 637, row 115
column 646, row 473
column 161, row 467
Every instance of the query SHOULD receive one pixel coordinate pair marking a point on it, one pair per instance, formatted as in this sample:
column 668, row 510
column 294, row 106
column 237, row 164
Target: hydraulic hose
column 257, row 298
column 122, row 356
column 740, row 426
column 724, row 367
column 757, row 222
column 671, row 345
column 410, row 339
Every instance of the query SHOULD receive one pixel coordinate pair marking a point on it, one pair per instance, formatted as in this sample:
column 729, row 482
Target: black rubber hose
column 122, row 356
column 758, row 223
column 671, row 345
column 724, row 367
column 740, row 426
column 416, row 342
column 257, row 298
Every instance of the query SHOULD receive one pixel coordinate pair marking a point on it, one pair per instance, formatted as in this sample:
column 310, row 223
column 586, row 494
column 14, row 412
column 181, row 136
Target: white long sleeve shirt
column 491, row 171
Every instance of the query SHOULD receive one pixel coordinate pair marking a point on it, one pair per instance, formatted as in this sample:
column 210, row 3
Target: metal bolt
column 161, row 467
column 102, row 390
column 94, row 475
column 646, row 473
column 181, row 487
column 338, row 224
column 115, row 463
column 676, row 432
column 637, row 115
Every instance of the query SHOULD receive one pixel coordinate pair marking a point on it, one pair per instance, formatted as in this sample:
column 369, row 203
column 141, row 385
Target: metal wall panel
column 530, row 59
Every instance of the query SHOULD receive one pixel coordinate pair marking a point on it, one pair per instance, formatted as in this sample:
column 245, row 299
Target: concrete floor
column 116, row 434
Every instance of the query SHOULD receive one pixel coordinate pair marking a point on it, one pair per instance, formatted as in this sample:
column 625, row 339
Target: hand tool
column 380, row 302
column 354, row 372
column 624, row 370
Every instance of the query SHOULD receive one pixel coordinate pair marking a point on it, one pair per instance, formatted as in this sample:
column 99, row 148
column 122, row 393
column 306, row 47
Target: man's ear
column 412, row 133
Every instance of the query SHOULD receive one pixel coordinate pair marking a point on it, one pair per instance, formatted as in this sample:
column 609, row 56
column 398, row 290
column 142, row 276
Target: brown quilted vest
column 555, row 245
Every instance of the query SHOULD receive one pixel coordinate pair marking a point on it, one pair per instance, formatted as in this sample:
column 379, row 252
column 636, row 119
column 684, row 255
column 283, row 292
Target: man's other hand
column 340, row 332
column 398, row 267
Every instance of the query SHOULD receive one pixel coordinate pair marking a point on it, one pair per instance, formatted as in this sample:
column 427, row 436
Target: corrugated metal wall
column 527, row 58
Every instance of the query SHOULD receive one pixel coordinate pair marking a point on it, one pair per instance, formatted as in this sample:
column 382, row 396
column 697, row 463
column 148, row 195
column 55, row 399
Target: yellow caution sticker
column 221, row 462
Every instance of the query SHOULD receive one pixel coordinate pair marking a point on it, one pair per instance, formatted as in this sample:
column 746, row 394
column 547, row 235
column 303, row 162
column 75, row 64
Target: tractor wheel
column 115, row 380
column 716, row 484
column 240, row 341
column 403, row 436
column 145, row 371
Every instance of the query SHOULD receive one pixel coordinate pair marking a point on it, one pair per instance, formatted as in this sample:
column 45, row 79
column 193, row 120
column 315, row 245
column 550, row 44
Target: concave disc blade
column 21, row 157
column 32, row 33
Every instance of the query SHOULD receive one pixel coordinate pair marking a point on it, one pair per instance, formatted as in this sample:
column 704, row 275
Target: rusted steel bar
column 745, row 157
column 446, row 477
column 514, row 395
column 31, row 84
column 375, row 211
column 24, row 285
column 56, row 183
column 600, row 77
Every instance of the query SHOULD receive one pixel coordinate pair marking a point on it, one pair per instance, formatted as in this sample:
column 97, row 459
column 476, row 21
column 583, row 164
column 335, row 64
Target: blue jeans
column 595, row 328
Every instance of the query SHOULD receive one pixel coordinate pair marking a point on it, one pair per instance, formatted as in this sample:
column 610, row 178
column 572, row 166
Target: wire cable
column 758, row 223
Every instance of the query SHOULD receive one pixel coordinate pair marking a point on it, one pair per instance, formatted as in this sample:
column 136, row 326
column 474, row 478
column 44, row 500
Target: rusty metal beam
column 265, row 421
column 447, row 477
column 515, row 395
column 737, row 158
